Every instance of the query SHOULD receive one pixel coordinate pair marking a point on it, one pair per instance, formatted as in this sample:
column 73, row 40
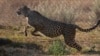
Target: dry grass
column 86, row 40
column 80, row 12
column 55, row 10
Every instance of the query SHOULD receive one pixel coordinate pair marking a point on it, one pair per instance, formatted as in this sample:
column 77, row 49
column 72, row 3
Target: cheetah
column 52, row 28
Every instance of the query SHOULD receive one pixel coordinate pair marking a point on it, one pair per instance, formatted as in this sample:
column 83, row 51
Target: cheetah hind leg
column 70, row 41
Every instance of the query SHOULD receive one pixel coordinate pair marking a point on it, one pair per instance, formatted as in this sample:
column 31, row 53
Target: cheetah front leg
column 26, row 28
column 34, row 33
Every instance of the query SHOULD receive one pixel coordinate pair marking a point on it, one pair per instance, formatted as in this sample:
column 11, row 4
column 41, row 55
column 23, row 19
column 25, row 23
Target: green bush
column 57, row 48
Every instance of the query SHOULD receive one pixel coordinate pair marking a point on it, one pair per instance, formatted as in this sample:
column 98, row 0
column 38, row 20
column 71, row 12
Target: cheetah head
column 23, row 11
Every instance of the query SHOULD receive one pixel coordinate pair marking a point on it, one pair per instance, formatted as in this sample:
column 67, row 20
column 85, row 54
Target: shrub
column 57, row 48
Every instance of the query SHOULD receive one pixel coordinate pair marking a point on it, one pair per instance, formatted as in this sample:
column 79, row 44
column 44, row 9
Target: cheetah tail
column 87, row 30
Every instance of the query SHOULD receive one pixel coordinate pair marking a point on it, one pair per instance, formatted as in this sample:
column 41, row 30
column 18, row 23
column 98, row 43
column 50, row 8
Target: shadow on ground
column 10, row 48
column 91, row 52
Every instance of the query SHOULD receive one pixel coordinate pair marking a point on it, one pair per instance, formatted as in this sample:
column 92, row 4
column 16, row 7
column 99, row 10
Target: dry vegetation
column 80, row 12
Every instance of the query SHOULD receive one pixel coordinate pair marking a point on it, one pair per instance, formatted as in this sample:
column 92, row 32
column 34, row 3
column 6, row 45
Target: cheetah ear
column 25, row 7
